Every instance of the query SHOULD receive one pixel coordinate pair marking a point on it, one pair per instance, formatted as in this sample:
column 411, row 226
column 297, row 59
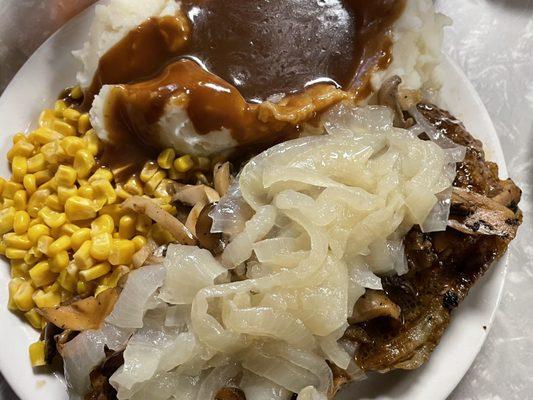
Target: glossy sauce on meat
column 226, row 57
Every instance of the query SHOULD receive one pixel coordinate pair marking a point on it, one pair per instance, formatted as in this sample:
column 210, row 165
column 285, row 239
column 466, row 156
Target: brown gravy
column 243, row 52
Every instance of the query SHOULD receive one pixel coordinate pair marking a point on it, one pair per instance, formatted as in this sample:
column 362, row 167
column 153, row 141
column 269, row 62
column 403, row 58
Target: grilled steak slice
column 443, row 266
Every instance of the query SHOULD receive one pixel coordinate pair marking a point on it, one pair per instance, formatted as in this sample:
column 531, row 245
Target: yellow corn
column 15, row 254
column 2, row 183
column 31, row 258
column 29, row 183
column 23, row 297
column 21, row 222
column 112, row 279
column 101, row 173
column 36, row 163
column 139, row 242
column 66, row 176
column 41, row 275
column 101, row 246
column 121, row 193
column 17, row 137
column 64, row 193
column 7, row 217
column 44, row 135
column 121, row 252
column 154, row 181
column 79, row 237
column 10, row 188
column 36, row 202
column 59, row 107
column 83, row 163
column 71, row 114
column 115, row 211
column 43, row 243
column 134, row 186
column 42, row 177
column 52, row 218
column 6, row 203
column 82, row 257
column 79, row 208
column 161, row 235
column 47, row 118
column 50, row 185
column 22, row 148
column 126, row 227
column 13, row 286
column 20, row 200
column 84, row 123
column 95, row 272
column 53, row 152
column 143, row 224
column 102, row 224
column 184, row 163
column 104, row 191
column 166, row 158
column 36, row 231
column 19, row 269
column 72, row 144
column 59, row 245
column 2, row 248
column 54, row 203
column 76, row 93
column 148, row 171
column 68, row 278
column 86, row 191
column 17, row 241
column 34, row 318
column 92, row 141
column 83, row 288
column 68, row 229
column 37, row 354
column 19, row 168
column 63, row 128
column 59, row 262
column 44, row 299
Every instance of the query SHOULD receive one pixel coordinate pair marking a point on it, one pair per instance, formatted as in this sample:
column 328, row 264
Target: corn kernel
column 152, row 184
column 79, row 208
column 54, row 203
column 44, row 135
column 71, row 114
column 102, row 224
column 52, row 218
column 66, row 176
column 121, row 252
column 22, row 148
column 54, row 153
column 148, row 171
column 95, row 272
column 86, row 191
column 101, row 173
column 47, row 118
column 2, row 248
column 139, row 242
column 10, row 188
column 20, row 200
column 63, row 128
column 121, row 193
column 17, row 241
column 72, row 144
column 7, row 218
column 36, row 202
column 134, row 186
column 17, row 137
column 2, row 183
column 68, row 278
column 126, row 228
column 21, row 222
column 41, row 275
column 59, row 262
column 36, row 231
column 7, row 203
column 84, row 123
column 49, row 299
column 76, row 93
column 31, row 258
column 184, row 163
column 34, row 318
column 43, row 243
column 37, row 354
column 79, row 237
column 166, row 158
column 68, row 229
column 143, row 224
column 29, row 183
column 15, row 254
column 104, row 190
column 50, row 185
column 13, row 286
column 92, row 141
column 82, row 288
column 59, row 107
column 42, row 177
column 65, row 193
column 161, row 235
column 59, row 245
column 83, row 163
column 36, row 163
column 101, row 246
column 19, row 168
column 112, row 279
column 82, row 256
column 23, row 297
column 19, row 269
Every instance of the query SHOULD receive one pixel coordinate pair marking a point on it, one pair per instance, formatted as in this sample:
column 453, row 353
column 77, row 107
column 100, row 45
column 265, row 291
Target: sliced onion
column 217, row 379
column 131, row 305
column 310, row 393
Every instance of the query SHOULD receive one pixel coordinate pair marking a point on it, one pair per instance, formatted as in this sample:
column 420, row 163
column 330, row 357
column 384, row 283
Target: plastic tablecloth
column 492, row 40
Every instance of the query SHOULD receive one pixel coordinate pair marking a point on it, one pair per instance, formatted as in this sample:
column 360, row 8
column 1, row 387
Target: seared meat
column 443, row 266
column 374, row 304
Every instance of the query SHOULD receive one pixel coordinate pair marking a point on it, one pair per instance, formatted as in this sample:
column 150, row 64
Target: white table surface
column 492, row 40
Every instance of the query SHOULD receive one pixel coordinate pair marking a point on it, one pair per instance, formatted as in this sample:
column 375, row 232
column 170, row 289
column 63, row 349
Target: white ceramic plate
column 52, row 68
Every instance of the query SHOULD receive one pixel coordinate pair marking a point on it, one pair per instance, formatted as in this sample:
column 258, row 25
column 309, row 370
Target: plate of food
column 262, row 200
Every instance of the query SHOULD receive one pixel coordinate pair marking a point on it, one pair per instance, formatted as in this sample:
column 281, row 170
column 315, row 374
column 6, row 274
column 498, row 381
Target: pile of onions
column 313, row 222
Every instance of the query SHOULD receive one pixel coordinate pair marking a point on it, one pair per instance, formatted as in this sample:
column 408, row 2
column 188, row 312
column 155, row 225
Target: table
column 492, row 40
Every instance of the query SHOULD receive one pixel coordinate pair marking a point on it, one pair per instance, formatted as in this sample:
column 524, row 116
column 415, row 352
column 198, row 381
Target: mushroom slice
column 374, row 304
column 208, row 240
column 194, row 194
column 230, row 393
column 83, row 314
column 222, row 178
column 475, row 214
column 146, row 206
column 192, row 218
